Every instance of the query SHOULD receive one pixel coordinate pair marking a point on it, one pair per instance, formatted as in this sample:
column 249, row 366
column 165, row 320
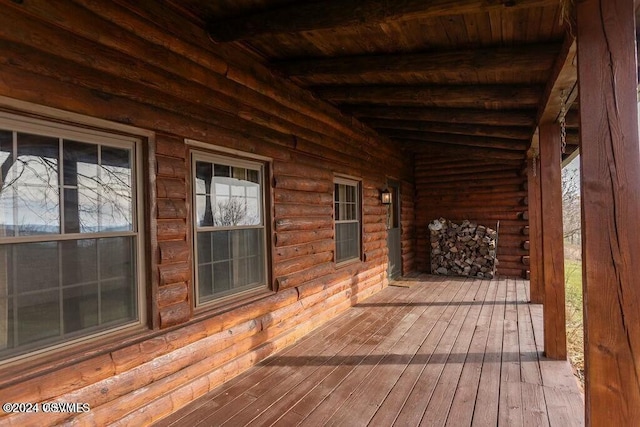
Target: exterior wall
column 484, row 191
column 163, row 76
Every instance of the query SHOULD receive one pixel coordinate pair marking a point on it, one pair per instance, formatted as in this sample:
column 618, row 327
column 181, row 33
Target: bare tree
column 571, row 205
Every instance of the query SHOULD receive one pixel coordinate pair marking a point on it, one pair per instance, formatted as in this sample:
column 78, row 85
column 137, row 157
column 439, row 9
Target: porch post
column 610, row 172
column 536, row 291
column 555, row 336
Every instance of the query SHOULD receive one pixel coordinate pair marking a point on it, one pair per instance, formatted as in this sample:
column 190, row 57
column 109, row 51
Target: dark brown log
column 510, row 132
column 174, row 273
column 171, row 209
column 287, row 252
column 174, row 314
column 449, row 115
column 307, row 223
column 610, row 173
column 172, row 294
column 171, row 167
column 311, row 183
column 526, row 260
column 172, row 229
column 286, row 238
column 174, row 251
column 283, row 210
column 555, row 336
column 171, row 188
column 293, row 280
column 563, row 78
column 465, row 140
column 523, row 59
column 170, row 146
column 301, row 170
column 302, row 197
column 341, row 13
column 527, row 245
column 300, row 263
column 458, row 96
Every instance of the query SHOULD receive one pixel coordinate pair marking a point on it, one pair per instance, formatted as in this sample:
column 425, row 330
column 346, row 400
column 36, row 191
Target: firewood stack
column 467, row 249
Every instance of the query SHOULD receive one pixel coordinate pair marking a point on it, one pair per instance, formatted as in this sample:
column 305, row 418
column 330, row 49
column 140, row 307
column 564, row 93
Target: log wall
column 479, row 190
column 134, row 63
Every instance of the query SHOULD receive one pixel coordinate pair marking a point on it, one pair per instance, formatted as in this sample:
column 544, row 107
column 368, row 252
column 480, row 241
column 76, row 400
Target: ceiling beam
column 454, row 96
column 510, row 132
column 464, row 140
column 563, row 79
column 524, row 59
column 449, row 115
column 461, row 152
column 319, row 15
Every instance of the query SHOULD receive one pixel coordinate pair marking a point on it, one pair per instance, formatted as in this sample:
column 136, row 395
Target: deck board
column 447, row 351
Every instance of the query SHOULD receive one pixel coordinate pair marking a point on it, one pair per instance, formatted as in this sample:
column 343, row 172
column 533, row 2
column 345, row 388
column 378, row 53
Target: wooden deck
column 441, row 351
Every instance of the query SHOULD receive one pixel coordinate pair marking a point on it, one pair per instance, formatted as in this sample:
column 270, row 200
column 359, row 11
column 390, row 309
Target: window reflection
column 227, row 196
column 94, row 195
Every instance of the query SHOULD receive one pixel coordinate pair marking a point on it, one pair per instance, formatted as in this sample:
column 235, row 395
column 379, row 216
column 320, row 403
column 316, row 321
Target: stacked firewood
column 466, row 249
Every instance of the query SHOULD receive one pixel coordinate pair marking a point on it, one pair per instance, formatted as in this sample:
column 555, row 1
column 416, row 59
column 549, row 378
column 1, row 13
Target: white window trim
column 228, row 157
column 357, row 183
column 109, row 135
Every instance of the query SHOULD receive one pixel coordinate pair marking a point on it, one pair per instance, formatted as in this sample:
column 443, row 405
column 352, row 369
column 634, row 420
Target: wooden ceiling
column 463, row 76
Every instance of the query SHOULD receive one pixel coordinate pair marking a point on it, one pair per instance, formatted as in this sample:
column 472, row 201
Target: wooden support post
column 555, row 336
column 536, row 288
column 610, row 172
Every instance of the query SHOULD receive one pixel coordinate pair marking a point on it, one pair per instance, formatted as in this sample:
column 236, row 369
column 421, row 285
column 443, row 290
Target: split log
column 172, row 229
column 293, row 280
column 302, row 197
column 174, row 251
column 303, row 184
column 286, row 210
column 307, row 223
column 174, row 314
column 171, row 209
column 287, row 252
column 174, row 273
column 287, row 238
column 290, row 266
column 172, row 294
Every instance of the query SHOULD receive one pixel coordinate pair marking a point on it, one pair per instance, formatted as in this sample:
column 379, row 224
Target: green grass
column 573, row 295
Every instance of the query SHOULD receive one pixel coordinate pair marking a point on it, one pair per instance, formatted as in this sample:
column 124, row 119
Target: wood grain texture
column 534, row 242
column 555, row 335
column 610, row 172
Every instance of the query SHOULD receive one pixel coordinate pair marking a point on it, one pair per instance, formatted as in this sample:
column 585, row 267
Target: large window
column 347, row 218
column 68, row 234
column 230, row 226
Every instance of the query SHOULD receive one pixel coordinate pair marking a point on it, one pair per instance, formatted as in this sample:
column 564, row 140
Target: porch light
column 385, row 197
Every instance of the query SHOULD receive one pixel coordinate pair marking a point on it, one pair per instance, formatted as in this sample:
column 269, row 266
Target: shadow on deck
column 440, row 351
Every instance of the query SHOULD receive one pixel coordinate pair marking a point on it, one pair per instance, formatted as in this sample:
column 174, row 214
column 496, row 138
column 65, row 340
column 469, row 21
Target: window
column 347, row 217
column 69, row 239
column 230, row 226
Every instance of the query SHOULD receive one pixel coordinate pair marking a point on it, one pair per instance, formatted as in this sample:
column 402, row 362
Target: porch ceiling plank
column 563, row 78
column 509, row 132
column 449, row 115
column 463, row 140
column 456, row 96
column 523, row 59
column 309, row 16
column 436, row 148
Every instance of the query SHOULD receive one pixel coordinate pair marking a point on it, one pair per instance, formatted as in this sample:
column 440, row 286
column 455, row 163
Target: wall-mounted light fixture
column 385, row 197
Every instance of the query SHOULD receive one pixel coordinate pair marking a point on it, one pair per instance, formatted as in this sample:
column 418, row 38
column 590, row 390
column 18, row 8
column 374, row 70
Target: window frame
column 231, row 158
column 357, row 183
column 102, row 135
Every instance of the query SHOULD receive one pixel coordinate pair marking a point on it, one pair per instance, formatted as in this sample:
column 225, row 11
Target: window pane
column 34, row 183
column 7, row 222
column 82, row 196
column 79, row 287
column 347, row 241
column 115, row 192
column 235, row 263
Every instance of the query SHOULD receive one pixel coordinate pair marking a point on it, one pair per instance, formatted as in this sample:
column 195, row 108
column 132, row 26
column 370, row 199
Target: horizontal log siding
column 495, row 193
column 107, row 60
